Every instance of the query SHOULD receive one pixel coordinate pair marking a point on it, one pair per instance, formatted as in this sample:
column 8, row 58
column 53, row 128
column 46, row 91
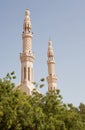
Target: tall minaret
column 27, row 57
column 51, row 78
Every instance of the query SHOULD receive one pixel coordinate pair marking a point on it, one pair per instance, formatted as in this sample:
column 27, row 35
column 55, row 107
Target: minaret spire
column 51, row 78
column 27, row 22
column 27, row 56
column 27, row 34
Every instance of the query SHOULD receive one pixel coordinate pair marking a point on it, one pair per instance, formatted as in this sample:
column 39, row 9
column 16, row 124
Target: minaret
column 27, row 56
column 51, row 78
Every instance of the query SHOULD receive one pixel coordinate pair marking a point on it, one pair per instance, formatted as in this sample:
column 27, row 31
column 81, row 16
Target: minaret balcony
column 51, row 61
column 27, row 34
column 52, row 78
column 27, row 57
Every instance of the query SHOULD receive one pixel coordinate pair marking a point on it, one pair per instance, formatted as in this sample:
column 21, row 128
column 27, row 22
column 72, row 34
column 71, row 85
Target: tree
column 11, row 102
column 72, row 118
column 37, row 112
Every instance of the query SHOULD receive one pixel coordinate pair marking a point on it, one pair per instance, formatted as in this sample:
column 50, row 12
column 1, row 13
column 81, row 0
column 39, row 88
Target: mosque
column 27, row 58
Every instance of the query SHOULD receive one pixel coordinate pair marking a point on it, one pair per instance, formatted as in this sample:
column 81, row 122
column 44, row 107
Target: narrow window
column 24, row 73
column 51, row 88
column 28, row 73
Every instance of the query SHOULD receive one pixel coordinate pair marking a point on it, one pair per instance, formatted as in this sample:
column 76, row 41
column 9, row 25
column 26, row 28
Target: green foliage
column 37, row 112
column 40, row 84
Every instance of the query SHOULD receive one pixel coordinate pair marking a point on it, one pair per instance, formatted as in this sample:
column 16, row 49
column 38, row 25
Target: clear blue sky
column 61, row 20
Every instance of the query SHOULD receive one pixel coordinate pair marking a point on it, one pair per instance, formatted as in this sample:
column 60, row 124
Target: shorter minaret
column 51, row 78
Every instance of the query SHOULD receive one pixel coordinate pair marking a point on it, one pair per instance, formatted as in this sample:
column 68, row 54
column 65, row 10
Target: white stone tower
column 51, row 78
column 27, row 56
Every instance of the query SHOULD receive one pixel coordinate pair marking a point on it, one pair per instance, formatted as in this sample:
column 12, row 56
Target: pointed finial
column 27, row 12
column 50, row 49
column 50, row 43
column 27, row 22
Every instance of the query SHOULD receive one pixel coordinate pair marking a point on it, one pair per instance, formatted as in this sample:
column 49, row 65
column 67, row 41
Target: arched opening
column 29, row 73
column 24, row 72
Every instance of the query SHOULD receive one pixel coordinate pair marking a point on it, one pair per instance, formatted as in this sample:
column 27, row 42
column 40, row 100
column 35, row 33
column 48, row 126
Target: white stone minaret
column 27, row 56
column 51, row 78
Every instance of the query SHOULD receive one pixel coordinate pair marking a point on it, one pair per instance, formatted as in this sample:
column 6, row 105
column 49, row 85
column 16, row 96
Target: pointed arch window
column 24, row 72
column 29, row 73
